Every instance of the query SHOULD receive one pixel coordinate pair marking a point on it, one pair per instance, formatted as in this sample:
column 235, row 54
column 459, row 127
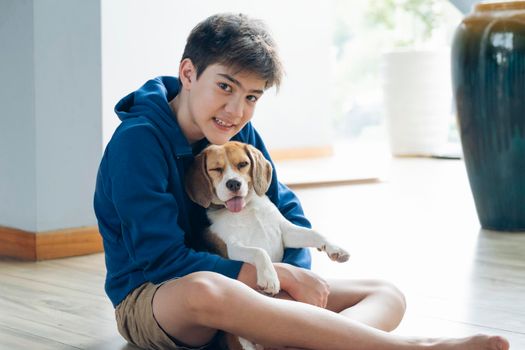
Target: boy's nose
column 235, row 108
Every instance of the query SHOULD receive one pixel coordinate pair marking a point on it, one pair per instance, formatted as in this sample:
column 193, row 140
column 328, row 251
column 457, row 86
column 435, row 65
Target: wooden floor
column 417, row 228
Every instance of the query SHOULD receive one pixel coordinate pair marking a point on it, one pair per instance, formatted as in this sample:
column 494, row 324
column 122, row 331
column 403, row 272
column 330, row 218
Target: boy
column 167, row 295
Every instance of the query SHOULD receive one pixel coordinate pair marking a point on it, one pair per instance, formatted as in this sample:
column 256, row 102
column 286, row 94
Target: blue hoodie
column 144, row 214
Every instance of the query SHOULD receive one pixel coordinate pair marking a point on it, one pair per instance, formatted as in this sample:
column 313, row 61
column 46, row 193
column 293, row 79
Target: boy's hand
column 303, row 285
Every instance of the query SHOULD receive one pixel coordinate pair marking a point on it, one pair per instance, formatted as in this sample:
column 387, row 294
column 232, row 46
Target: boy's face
column 220, row 102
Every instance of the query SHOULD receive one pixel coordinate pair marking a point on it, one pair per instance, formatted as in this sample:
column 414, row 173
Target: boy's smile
column 218, row 104
column 222, row 124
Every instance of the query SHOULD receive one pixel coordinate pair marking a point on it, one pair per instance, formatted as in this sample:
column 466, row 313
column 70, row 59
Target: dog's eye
column 219, row 170
column 242, row 165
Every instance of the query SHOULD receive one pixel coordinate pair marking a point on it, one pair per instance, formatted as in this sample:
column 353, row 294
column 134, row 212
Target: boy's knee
column 207, row 292
column 392, row 291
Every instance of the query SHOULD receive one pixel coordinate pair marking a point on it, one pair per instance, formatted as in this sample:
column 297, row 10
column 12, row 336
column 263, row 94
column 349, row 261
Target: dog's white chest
column 257, row 225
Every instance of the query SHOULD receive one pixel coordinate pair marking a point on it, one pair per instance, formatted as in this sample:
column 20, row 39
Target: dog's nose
column 233, row 185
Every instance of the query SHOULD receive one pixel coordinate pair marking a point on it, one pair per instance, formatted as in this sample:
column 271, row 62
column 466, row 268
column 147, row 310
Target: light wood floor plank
column 15, row 339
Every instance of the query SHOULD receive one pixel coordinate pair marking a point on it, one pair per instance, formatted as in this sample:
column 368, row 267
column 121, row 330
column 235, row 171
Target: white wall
column 67, row 63
column 143, row 39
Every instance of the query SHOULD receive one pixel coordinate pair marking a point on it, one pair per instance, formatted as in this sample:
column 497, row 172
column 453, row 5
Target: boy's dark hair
column 236, row 41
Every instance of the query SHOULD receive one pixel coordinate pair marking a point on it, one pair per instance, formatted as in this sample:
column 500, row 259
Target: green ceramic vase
column 488, row 74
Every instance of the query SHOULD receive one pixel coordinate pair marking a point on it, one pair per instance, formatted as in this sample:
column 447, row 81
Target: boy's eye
column 252, row 98
column 225, row 87
column 242, row 165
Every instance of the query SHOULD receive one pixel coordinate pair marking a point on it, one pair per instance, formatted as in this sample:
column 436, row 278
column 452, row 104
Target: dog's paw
column 336, row 253
column 268, row 281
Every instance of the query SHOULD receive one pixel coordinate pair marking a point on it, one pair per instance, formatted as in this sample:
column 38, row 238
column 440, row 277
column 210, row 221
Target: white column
column 50, row 120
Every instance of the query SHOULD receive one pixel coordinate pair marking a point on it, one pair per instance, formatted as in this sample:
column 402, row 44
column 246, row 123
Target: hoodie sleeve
column 148, row 211
column 285, row 200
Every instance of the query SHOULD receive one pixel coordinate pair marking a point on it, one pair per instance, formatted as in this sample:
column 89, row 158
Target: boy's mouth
column 222, row 124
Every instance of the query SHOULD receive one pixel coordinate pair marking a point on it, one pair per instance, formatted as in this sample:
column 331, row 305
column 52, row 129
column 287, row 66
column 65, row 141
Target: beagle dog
column 231, row 180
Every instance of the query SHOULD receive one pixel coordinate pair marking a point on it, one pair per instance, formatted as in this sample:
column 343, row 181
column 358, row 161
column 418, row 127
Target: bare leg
column 374, row 303
column 191, row 308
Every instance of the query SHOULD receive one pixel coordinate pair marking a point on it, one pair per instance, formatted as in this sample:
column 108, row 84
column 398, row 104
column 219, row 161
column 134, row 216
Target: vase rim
column 497, row 5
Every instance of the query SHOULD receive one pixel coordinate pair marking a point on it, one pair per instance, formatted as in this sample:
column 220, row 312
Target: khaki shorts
column 136, row 323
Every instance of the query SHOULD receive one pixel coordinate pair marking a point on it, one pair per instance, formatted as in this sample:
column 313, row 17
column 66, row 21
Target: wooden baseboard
column 19, row 244
column 301, row 153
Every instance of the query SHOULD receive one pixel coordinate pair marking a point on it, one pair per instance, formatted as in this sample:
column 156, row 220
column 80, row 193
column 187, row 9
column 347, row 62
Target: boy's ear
column 187, row 72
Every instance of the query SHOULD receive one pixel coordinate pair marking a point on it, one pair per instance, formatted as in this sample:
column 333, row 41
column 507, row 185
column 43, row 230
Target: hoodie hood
column 151, row 101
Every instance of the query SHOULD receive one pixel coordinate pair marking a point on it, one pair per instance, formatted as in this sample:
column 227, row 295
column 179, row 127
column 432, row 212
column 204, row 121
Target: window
column 363, row 32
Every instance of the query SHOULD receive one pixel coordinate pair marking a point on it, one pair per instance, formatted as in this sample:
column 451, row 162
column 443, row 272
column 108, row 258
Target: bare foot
column 477, row 342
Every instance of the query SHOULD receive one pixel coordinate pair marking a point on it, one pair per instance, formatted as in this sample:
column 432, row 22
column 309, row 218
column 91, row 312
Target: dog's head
column 228, row 175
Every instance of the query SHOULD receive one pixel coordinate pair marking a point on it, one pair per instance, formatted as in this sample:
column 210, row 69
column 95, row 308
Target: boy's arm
column 285, row 200
column 148, row 211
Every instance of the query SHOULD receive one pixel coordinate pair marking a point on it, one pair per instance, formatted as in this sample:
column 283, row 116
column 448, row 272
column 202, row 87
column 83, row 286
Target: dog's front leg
column 267, row 279
column 301, row 237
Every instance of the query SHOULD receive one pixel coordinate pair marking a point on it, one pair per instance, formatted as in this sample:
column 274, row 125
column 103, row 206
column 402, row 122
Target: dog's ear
column 198, row 183
column 261, row 170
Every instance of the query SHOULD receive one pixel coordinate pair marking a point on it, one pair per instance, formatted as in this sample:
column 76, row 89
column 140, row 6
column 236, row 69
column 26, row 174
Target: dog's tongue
column 235, row 204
